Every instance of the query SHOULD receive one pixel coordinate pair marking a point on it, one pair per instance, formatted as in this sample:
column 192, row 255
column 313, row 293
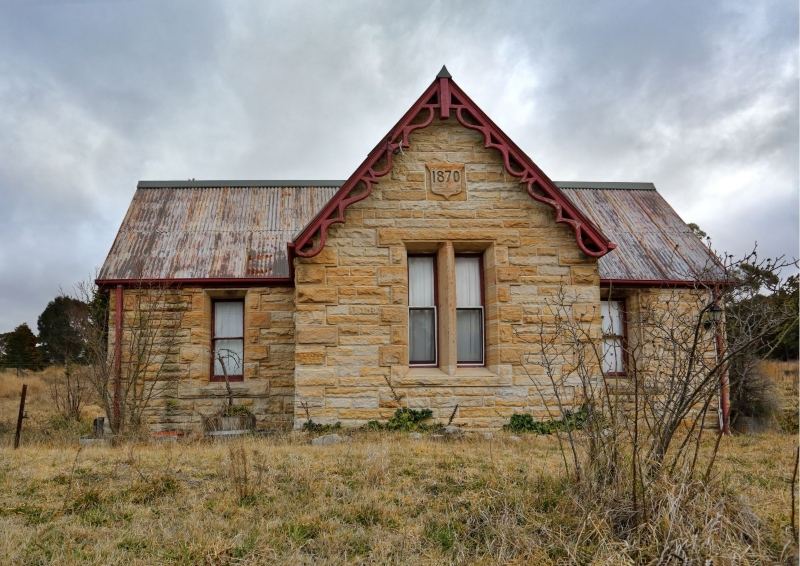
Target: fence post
column 21, row 415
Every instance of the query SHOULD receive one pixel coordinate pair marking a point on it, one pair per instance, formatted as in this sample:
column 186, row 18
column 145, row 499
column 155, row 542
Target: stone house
column 422, row 279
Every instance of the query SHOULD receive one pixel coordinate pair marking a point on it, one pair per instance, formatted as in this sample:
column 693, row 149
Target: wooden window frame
column 214, row 338
column 454, row 287
column 623, row 337
column 435, row 363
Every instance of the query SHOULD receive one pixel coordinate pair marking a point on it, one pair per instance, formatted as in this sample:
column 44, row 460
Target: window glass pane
column 611, row 311
column 468, row 281
column 420, row 281
column 421, row 336
column 228, row 319
column 469, row 335
column 231, row 353
column 613, row 357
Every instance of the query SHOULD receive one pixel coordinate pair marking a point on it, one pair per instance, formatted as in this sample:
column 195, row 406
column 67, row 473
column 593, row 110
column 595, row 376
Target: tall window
column 228, row 340
column 469, row 310
column 421, row 310
column 613, row 313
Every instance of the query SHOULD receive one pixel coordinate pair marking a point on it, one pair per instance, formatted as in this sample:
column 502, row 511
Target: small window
column 469, row 310
column 421, row 310
column 613, row 315
column 228, row 340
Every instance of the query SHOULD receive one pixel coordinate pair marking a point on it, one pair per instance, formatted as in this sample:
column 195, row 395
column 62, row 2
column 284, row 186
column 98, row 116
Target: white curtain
column 420, row 281
column 421, row 312
column 469, row 335
column 469, row 315
column 613, row 355
column 468, row 281
column 228, row 319
column 611, row 312
column 613, row 330
column 422, row 335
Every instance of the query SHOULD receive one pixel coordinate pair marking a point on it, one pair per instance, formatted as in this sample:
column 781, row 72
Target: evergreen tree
column 60, row 330
column 21, row 351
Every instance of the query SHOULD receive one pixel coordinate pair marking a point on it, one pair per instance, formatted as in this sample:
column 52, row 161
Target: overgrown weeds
column 524, row 422
column 406, row 419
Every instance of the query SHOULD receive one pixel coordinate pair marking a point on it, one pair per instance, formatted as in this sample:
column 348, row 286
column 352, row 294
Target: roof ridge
column 607, row 185
column 232, row 183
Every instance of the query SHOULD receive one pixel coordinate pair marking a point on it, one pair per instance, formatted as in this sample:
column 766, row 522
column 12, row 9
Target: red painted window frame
column 482, row 363
column 435, row 362
column 623, row 337
column 212, row 371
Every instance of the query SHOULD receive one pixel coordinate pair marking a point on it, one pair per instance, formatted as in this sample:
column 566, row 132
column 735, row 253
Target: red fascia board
column 363, row 168
column 523, row 157
column 202, row 282
column 342, row 199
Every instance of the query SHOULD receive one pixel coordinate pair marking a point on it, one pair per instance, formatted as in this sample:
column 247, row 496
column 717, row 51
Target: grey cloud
column 699, row 97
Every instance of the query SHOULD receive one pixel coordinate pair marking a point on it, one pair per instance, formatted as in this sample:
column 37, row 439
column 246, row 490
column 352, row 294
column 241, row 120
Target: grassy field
column 379, row 498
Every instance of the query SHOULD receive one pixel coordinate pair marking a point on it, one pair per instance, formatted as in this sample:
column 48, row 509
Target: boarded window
column 228, row 339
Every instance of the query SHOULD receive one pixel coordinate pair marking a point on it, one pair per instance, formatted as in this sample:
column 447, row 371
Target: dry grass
column 42, row 423
column 382, row 498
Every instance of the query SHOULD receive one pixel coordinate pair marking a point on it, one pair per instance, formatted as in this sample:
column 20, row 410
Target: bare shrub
column 245, row 476
column 69, row 391
column 640, row 455
column 148, row 344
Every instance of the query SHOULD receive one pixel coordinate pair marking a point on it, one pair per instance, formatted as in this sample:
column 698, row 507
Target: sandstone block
column 316, row 294
column 317, row 335
column 390, row 355
column 391, row 275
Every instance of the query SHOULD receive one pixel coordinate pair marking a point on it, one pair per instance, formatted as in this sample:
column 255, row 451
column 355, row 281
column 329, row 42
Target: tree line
column 60, row 339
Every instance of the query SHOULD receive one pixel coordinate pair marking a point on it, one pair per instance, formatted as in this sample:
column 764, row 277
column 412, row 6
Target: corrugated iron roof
column 653, row 243
column 212, row 229
column 240, row 229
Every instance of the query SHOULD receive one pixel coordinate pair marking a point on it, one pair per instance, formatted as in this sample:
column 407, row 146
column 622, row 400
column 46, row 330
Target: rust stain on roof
column 653, row 242
column 204, row 232
column 240, row 229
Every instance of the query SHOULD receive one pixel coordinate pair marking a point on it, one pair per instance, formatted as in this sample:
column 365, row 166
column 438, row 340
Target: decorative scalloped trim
column 446, row 97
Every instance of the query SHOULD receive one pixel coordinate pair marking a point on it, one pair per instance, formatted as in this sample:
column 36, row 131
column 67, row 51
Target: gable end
column 445, row 98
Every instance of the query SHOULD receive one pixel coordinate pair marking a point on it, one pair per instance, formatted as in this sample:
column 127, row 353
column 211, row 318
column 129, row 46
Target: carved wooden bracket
column 444, row 96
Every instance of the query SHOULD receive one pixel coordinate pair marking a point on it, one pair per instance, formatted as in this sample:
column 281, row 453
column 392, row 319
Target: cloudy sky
column 699, row 97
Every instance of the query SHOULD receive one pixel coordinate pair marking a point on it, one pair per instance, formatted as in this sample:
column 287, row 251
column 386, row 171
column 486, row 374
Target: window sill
column 461, row 377
column 221, row 378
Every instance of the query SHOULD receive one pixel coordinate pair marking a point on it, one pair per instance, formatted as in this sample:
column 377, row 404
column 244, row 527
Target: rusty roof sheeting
column 209, row 231
column 240, row 229
column 653, row 243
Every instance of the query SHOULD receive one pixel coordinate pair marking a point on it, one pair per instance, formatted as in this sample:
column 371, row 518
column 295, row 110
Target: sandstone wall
column 177, row 346
column 351, row 299
column 661, row 324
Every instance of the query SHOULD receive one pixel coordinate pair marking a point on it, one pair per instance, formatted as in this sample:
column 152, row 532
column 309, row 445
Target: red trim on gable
column 446, row 97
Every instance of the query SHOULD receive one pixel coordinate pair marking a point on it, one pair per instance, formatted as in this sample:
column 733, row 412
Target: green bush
column 523, row 422
column 311, row 426
column 405, row 419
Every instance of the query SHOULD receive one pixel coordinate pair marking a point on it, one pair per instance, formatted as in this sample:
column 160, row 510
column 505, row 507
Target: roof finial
column 444, row 74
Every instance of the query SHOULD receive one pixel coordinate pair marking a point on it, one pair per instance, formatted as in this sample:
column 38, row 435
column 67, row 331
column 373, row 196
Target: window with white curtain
column 613, row 321
column 421, row 310
column 228, row 339
column 469, row 310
